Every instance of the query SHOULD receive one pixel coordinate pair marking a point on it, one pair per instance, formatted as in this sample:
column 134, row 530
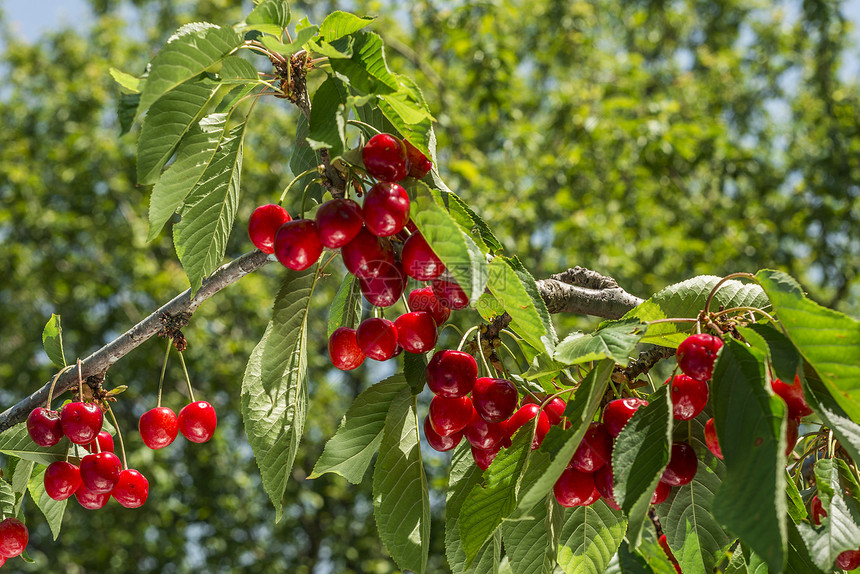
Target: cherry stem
column 163, row 369
column 672, row 320
column 752, row 309
column 514, row 357
column 466, row 336
column 713, row 292
column 405, row 302
column 305, row 196
column 187, row 378
column 366, row 127
column 119, row 436
column 483, row 357
column 53, row 384
column 80, row 382
column 68, row 448
column 292, row 183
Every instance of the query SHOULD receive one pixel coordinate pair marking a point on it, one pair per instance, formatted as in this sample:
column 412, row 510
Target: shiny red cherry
column 438, row 442
column 452, row 374
column 573, row 488
column 495, row 399
column 419, row 261
column 696, row 355
column 848, row 560
column 450, row 294
column 689, row 397
column 343, row 349
column 367, row 255
column 711, row 440
column 485, row 457
column 417, row 163
column 384, row 157
column 264, row 223
column 91, row 500
column 386, row 209
column 484, row 435
column 555, row 410
column 132, row 489
column 525, row 415
column 377, row 338
column 618, row 412
column 105, row 443
column 297, row 245
column 449, row 416
column 816, row 510
column 682, row 465
column 100, row 472
column 604, row 482
column 416, row 332
column 13, row 537
column 793, row 397
column 338, row 222
column 424, row 300
column 594, row 451
column 385, row 289
column 62, row 479
column 595, row 496
column 197, row 421
column 44, row 427
column 81, row 421
column 661, row 493
column 158, row 427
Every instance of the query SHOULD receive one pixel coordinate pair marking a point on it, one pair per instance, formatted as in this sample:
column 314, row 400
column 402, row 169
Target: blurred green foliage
column 648, row 140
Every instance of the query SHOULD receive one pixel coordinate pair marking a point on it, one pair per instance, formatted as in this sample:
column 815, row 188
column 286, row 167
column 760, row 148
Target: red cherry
column 367, row 255
column 661, row 493
column 711, row 440
column 595, row 496
column 377, row 338
column 524, row 415
column 682, row 465
column 297, row 245
column 594, row 451
column 604, row 482
column 452, row 374
column 338, row 222
column 816, row 510
column 696, row 355
column 417, row 163
column 449, row 416
column 424, row 300
column 264, row 223
column 384, row 157
column 105, row 443
column 13, row 537
column 793, row 397
column 689, row 397
column 848, row 560
column 450, row 294
column 485, row 457
column 158, row 427
column 343, row 349
column 419, row 261
column 62, row 479
column 197, row 421
column 484, row 435
column 618, row 412
column 100, row 472
column 573, row 488
column 438, row 442
column 44, row 427
column 81, row 421
column 386, row 209
column 495, row 399
column 664, row 544
column 555, row 410
column 385, row 289
column 791, row 432
column 416, row 332
column 91, row 500
column 132, row 489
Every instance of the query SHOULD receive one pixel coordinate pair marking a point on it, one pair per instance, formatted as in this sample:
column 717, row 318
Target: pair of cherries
column 159, row 426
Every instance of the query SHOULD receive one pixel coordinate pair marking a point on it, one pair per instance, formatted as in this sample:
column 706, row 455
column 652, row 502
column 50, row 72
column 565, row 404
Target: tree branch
column 586, row 292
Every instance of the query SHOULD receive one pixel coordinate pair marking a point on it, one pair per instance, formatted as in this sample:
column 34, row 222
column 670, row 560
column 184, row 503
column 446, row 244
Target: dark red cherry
column 158, row 427
column 438, row 442
column 100, row 472
column 197, row 421
column 419, row 261
column 791, row 432
column 573, row 488
column 689, row 397
column 377, row 338
column 555, row 410
column 485, row 457
column 338, row 222
column 711, row 440
column 264, row 223
column 595, row 496
column 450, row 294
column 13, row 537
column 44, row 427
column 385, row 289
column 386, row 209
column 848, row 560
column 618, row 412
column 484, row 435
column 793, row 397
column 424, row 300
column 91, row 500
column 524, row 416
column 449, row 416
column 682, row 465
column 81, row 421
column 417, row 163
column 495, row 399
column 367, row 255
column 297, row 245
column 696, row 355
column 594, row 451
column 132, row 489
column 664, row 544
column 416, row 332
column 384, row 157
column 604, row 481
column 452, row 374
column 661, row 493
column 105, row 443
column 343, row 349
column 816, row 510
column 62, row 479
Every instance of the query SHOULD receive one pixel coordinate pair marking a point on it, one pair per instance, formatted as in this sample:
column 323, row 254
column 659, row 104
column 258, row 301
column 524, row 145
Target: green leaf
column 401, row 500
column 834, row 416
column 21, row 475
column 367, row 70
column 589, row 538
column 750, row 424
column 458, row 252
column 349, row 452
column 7, row 498
column 404, row 109
column 303, row 36
column 131, row 83
column 415, row 369
column 193, row 49
column 794, row 501
column 515, row 288
column 470, row 221
column 16, row 441
column 272, row 12
column 52, row 509
column 531, row 545
column 827, row 339
column 328, row 117
column 126, row 111
column 343, row 49
column 639, row 458
column 339, row 24
column 236, row 70
column 345, row 310
column 463, row 476
column 304, row 157
column 653, row 553
column 274, row 389
column 201, row 236
column 614, row 340
column 799, row 559
column 412, row 120
column 783, row 355
column 627, row 561
column 52, row 341
column 687, row 299
column 168, row 121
